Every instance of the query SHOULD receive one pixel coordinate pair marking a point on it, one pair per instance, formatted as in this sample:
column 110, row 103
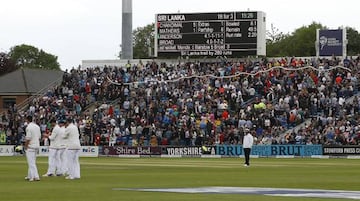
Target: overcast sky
column 76, row 30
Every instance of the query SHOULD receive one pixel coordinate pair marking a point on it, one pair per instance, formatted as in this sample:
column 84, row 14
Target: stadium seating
column 195, row 103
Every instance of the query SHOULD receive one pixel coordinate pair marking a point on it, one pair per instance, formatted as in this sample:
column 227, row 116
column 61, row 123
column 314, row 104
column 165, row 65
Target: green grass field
column 100, row 176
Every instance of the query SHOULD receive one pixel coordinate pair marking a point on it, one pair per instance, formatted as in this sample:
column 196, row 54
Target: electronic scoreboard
column 230, row 34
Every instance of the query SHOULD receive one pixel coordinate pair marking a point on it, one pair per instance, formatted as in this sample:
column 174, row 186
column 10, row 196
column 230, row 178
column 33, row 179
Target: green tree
column 273, row 38
column 31, row 57
column 143, row 41
column 299, row 43
column 274, row 35
column 353, row 37
column 303, row 40
column 6, row 64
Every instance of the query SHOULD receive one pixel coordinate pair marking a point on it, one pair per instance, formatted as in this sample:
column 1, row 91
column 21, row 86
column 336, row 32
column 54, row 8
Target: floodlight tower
column 126, row 39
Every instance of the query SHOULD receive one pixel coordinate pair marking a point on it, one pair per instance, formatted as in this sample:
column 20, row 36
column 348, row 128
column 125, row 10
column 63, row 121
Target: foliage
column 299, row 43
column 353, row 37
column 31, row 57
column 143, row 41
column 6, row 64
column 274, row 35
column 302, row 41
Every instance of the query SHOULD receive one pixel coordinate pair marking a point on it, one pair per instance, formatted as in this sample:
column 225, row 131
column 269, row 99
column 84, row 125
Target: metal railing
column 24, row 104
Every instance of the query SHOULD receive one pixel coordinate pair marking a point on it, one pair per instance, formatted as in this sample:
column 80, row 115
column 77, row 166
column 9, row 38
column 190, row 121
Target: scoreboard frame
column 230, row 34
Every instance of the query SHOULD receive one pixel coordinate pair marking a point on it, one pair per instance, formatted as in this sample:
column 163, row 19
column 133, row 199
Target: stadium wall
column 219, row 151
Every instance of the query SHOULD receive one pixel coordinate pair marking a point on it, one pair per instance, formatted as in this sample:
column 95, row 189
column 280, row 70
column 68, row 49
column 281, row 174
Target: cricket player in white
column 55, row 149
column 73, row 148
column 62, row 168
column 32, row 144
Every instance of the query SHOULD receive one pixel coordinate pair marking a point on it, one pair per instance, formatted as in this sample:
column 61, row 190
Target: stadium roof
column 27, row 81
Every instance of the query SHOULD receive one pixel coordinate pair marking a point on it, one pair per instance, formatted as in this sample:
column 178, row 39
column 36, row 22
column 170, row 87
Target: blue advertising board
column 331, row 42
column 271, row 150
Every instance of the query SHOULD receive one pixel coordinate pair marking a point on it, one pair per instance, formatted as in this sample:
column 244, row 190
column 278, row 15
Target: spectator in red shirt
column 225, row 115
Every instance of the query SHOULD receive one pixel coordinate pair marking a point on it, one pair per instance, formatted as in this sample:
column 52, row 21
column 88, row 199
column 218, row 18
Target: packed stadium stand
column 282, row 101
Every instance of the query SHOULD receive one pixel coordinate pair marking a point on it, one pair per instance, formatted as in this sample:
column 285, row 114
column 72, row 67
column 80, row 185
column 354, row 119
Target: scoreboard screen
column 230, row 34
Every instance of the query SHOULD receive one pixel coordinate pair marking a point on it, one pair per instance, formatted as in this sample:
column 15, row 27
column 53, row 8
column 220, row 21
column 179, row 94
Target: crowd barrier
column 85, row 151
column 219, row 150
column 7, row 150
column 280, row 151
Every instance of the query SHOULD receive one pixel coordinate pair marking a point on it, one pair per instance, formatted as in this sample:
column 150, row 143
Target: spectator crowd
column 203, row 103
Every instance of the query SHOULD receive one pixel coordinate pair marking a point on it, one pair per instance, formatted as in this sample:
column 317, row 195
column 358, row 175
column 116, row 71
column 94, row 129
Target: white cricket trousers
column 61, row 166
column 52, row 160
column 73, row 163
column 31, row 160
